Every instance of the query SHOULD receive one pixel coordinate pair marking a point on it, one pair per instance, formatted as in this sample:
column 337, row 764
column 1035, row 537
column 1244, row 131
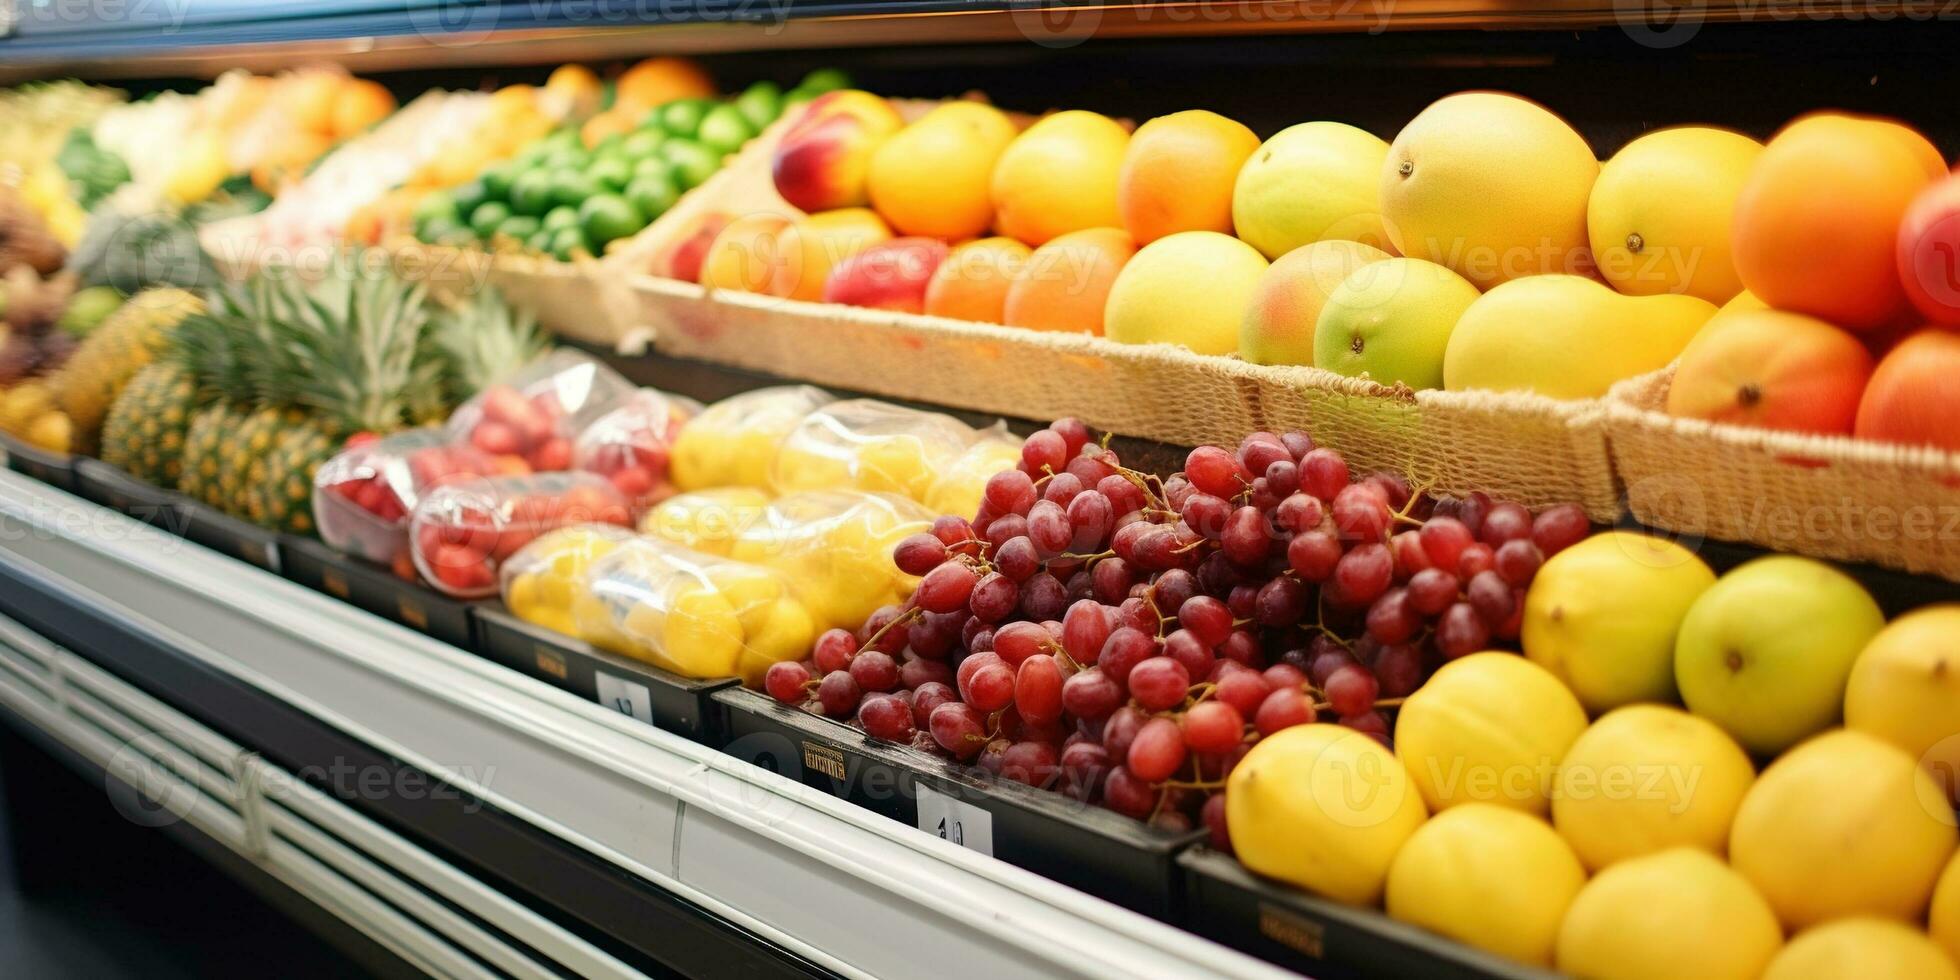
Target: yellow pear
column 1676, row 913
column 1492, row 185
column 1659, row 213
column 1566, row 337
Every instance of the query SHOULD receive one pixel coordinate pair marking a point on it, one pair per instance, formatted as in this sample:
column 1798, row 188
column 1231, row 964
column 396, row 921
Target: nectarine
column 888, row 276
column 825, row 155
column 973, row 282
column 1914, row 395
column 1772, row 370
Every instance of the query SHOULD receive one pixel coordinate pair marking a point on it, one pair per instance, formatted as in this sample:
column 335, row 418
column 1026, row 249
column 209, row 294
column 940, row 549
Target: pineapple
column 144, row 432
column 123, row 344
column 484, row 339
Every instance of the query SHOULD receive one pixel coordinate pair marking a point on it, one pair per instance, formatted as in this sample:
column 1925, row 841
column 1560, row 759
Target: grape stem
column 1320, row 624
column 1199, row 784
column 905, row 617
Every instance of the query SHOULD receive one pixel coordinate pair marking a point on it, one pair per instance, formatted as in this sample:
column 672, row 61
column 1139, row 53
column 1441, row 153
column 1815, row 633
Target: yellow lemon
column 701, row 636
column 1487, row 876
column 1864, row 949
column 1489, row 727
column 1646, row 778
column 1675, row 913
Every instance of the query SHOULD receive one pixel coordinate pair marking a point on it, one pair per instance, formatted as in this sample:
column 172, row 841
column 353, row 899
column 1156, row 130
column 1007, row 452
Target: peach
column 825, row 156
column 1065, row 284
column 1178, row 174
column 1929, row 251
column 889, row 276
column 747, row 256
column 682, row 259
column 933, row 177
column 1279, row 322
column 1914, row 395
column 973, row 282
column 1772, row 370
column 1816, row 224
column 813, row 246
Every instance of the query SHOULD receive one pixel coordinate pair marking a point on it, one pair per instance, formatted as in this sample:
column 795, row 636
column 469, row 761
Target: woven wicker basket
column 1830, row 497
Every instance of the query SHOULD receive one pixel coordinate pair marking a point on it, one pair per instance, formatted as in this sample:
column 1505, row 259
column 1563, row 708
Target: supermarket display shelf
column 206, row 37
column 484, row 819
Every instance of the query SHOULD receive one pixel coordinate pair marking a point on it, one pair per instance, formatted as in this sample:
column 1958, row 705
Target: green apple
column 1279, row 322
column 1766, row 651
column 1391, row 321
column 1603, row 614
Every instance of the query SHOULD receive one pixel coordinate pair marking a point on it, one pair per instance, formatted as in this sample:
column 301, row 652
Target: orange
column 657, row 81
column 1817, row 220
column 289, row 160
column 747, row 255
column 810, row 248
column 1059, row 176
column 308, row 99
column 361, row 103
column 1179, row 172
column 973, row 282
column 577, row 86
column 931, row 178
column 611, row 122
column 1066, row 282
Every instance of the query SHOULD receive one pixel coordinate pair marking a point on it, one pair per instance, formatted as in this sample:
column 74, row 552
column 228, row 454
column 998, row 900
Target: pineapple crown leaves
column 483, row 339
column 355, row 352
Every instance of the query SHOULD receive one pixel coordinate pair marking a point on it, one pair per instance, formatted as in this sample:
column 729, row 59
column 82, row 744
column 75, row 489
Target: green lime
column 606, row 217
column 438, row 229
column 566, row 138
column 529, row 155
column 693, row 163
column 518, row 227
column 538, row 241
column 455, row 236
column 560, row 217
column 642, row 143
column 487, row 217
column 654, row 166
column 760, row 103
column 496, row 181
column 653, row 194
column 682, row 117
column 571, row 187
column 434, row 205
column 565, row 241
column 611, row 173
column 530, row 191
column 724, row 128
column 468, row 195
column 609, row 143
column 559, row 159
column 797, row 98
column 825, row 80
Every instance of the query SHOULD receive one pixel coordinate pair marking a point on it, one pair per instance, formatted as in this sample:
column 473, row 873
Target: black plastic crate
column 663, row 699
column 117, row 490
column 1089, row 848
column 54, row 469
column 224, row 533
column 377, row 590
column 1320, row 937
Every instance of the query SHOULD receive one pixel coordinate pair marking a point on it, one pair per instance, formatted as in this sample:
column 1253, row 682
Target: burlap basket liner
column 1826, row 496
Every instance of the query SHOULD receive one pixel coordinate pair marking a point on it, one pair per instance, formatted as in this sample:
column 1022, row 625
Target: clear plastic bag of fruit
column 694, row 614
column 363, row 495
column 734, row 442
column 545, row 581
column 866, row 444
column 961, row 483
column 708, row 521
column 461, row 533
column 835, row 547
column 631, row 445
column 538, row 412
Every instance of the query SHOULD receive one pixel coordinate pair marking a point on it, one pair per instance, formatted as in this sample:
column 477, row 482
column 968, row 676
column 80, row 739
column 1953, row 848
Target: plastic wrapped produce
column 961, row 483
column 462, row 532
column 545, row 581
column 734, row 442
column 694, row 614
column 708, row 521
column 362, row 497
column 835, row 546
column 539, row 412
column 631, row 446
column 865, row 444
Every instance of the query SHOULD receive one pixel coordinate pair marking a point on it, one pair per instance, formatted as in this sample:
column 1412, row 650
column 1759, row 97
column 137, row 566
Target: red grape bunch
column 1126, row 639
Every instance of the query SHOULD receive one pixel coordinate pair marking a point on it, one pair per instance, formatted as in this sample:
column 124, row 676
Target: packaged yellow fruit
column 960, row 484
column 1487, row 876
column 835, row 546
column 1323, row 807
column 707, row 521
column 1489, row 728
column 1675, row 913
column 695, row 614
column 1867, row 949
column 733, row 443
column 866, row 444
column 540, row 583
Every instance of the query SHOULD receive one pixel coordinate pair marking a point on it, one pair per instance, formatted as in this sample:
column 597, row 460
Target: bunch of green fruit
column 560, row 197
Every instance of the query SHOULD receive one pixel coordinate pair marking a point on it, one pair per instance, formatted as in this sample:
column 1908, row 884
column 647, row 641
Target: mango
column 1190, row 288
column 976, row 279
column 1914, row 393
column 932, row 178
column 1314, row 182
column 1391, row 321
column 1771, row 370
column 1178, row 174
column 1280, row 319
column 1059, row 175
column 1659, row 215
column 813, row 246
column 1566, row 337
column 747, row 256
column 1492, row 185
column 1064, row 285
column 824, row 159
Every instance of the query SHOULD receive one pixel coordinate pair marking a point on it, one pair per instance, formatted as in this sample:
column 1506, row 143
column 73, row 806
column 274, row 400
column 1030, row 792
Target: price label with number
column 955, row 820
column 626, row 697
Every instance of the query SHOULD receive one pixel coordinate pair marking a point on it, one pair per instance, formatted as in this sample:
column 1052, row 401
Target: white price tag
column 625, row 697
column 956, row 820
